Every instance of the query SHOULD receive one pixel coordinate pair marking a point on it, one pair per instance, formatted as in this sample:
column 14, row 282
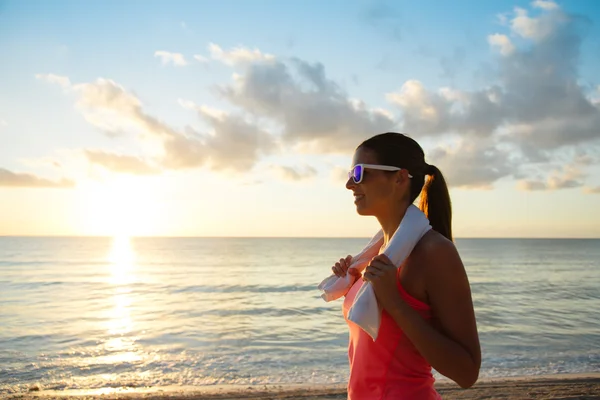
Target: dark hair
column 399, row 150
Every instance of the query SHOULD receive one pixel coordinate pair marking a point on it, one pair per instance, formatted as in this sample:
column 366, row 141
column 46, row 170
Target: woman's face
column 378, row 190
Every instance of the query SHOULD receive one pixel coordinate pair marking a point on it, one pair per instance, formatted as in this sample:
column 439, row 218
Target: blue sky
column 239, row 118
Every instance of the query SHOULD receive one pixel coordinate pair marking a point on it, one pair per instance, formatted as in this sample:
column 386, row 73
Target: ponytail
column 435, row 202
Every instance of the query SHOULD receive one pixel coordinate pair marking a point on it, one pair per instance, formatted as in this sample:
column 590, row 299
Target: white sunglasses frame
column 372, row 166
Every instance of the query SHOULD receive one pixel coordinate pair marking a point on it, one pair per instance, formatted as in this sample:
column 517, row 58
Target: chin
column 363, row 211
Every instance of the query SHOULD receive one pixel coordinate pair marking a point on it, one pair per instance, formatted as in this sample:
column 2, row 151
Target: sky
column 229, row 118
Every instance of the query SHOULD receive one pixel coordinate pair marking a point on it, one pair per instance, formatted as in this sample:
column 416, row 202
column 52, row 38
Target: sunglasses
column 358, row 171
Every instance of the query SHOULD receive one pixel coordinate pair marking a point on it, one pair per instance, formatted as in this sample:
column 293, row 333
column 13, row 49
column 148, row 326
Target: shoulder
column 438, row 255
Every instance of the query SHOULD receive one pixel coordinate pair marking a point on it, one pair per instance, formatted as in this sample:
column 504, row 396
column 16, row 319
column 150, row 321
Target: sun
column 122, row 207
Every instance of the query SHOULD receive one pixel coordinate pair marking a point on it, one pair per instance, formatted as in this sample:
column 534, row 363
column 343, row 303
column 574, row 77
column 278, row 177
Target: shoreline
column 559, row 386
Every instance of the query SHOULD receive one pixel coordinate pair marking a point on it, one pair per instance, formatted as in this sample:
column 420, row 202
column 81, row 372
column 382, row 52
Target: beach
column 567, row 386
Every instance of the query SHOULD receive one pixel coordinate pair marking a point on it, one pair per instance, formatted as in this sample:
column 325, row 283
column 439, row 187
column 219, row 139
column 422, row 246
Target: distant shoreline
column 573, row 386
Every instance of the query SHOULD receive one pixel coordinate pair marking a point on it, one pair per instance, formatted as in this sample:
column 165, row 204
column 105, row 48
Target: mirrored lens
column 357, row 173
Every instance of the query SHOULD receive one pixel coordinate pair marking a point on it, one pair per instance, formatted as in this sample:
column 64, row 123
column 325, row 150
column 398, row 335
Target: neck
column 391, row 221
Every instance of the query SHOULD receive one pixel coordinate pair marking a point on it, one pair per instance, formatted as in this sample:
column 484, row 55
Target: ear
column 402, row 176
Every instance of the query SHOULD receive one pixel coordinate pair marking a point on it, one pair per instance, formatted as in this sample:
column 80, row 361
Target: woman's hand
column 343, row 266
column 382, row 274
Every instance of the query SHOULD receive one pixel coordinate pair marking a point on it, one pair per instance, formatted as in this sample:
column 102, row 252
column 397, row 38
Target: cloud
column 204, row 110
column 565, row 177
column 546, row 5
column 592, row 190
column 530, row 186
column 423, row 111
column 13, row 179
column 535, row 98
column 201, row 59
column 55, row 79
column 166, row 57
column 121, row 163
column 41, row 162
column 110, row 107
column 473, row 164
column 295, row 174
column 532, row 28
column 502, row 42
column 238, row 55
column 232, row 143
column 307, row 105
column 3, row 123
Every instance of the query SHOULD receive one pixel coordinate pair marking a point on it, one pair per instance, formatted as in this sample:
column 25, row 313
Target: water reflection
column 122, row 260
column 119, row 344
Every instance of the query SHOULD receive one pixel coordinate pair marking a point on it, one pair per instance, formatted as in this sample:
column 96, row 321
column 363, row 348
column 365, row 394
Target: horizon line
column 280, row 237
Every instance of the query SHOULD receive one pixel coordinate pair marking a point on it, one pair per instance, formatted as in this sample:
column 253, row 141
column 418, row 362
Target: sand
column 541, row 387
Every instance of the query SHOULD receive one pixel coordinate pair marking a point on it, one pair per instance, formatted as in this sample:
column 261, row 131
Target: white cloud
column 200, row 59
column 592, row 189
column 423, row 111
column 531, row 186
column 295, row 174
column 502, row 42
column 3, row 123
column 204, row 110
column 121, row 163
column 14, row 179
column 110, row 107
column 565, row 177
column 533, row 28
column 56, row 79
column 232, row 144
column 238, row 55
column 311, row 109
column 535, row 102
column 40, row 162
column 166, row 57
column 545, row 4
column 473, row 164
column 595, row 97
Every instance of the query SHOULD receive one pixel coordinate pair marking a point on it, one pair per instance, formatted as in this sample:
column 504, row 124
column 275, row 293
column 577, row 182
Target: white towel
column 365, row 312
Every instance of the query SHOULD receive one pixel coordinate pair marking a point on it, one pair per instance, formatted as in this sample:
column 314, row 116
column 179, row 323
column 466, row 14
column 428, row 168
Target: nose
column 350, row 184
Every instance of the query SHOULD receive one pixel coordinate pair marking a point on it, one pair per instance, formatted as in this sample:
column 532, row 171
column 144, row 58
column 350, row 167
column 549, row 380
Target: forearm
column 445, row 355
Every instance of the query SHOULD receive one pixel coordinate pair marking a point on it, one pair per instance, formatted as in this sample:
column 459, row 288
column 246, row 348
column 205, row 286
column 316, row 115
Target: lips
column 358, row 197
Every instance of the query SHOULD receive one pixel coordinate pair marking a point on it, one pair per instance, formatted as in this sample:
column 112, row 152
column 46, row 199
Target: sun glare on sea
column 120, row 324
column 121, row 259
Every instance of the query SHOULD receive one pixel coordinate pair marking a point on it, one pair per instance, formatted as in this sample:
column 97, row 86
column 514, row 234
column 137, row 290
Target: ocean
column 93, row 313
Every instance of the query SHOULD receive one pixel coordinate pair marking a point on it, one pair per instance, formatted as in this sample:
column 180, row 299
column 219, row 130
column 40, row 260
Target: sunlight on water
column 120, row 317
column 121, row 262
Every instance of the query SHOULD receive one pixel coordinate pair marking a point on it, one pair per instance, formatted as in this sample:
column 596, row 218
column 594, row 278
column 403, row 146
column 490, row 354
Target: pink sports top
column 389, row 367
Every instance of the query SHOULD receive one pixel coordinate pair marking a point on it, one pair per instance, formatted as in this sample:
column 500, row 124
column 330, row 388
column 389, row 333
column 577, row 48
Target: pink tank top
column 389, row 367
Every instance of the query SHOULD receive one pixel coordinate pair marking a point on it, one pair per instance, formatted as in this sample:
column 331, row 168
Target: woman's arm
column 455, row 351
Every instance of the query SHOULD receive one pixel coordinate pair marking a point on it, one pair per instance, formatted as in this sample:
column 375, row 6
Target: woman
column 428, row 318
